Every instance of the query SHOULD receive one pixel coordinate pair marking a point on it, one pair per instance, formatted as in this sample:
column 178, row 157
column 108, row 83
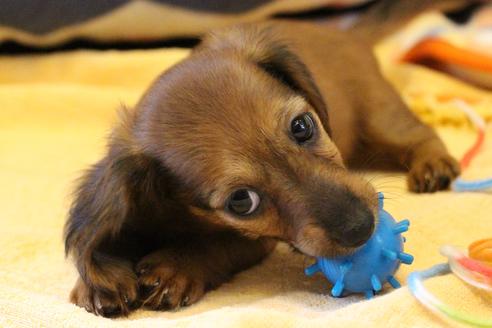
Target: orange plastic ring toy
column 481, row 250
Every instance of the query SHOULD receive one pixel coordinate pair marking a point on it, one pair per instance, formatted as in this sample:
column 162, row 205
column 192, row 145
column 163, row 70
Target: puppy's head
column 244, row 129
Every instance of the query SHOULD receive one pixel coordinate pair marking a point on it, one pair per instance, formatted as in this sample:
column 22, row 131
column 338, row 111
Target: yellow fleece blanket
column 55, row 111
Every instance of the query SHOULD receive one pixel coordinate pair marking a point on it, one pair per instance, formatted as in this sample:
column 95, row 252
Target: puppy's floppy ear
column 262, row 45
column 126, row 185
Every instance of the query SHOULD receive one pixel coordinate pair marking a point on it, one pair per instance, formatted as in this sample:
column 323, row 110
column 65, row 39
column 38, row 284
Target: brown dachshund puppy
column 244, row 143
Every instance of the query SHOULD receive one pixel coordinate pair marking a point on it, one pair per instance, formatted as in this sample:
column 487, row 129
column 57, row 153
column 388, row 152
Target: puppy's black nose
column 357, row 230
column 346, row 218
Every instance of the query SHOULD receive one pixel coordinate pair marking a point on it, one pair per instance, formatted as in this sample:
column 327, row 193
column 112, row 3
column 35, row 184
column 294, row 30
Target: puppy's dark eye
column 243, row 202
column 302, row 127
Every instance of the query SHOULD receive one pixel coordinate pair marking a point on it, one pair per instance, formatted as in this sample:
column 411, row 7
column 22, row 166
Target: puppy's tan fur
column 149, row 224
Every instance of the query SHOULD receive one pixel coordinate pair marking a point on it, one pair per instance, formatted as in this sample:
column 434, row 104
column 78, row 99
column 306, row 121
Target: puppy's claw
column 184, row 301
column 106, row 307
column 97, row 303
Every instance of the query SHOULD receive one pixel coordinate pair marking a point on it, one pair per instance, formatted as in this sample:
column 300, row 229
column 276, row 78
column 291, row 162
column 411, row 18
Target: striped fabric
column 50, row 22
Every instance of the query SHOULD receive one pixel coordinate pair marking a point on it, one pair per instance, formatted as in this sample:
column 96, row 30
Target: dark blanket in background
column 51, row 22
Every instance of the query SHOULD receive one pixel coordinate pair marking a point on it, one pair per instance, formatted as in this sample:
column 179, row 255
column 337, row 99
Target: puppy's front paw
column 105, row 303
column 167, row 281
column 433, row 173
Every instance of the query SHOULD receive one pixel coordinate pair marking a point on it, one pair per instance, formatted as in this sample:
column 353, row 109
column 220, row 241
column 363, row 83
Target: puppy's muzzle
column 345, row 217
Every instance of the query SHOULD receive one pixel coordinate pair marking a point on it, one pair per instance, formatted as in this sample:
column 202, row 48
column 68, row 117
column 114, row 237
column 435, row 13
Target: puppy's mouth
column 312, row 240
column 331, row 252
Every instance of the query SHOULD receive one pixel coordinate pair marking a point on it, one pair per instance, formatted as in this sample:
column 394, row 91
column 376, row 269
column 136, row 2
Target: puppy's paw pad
column 165, row 285
column 433, row 174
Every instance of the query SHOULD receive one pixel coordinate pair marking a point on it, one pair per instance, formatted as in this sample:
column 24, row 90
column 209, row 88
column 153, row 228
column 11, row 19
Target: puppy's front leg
column 180, row 274
column 390, row 127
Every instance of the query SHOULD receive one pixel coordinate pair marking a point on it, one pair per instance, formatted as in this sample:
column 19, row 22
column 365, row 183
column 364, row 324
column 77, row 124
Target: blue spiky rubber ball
column 373, row 264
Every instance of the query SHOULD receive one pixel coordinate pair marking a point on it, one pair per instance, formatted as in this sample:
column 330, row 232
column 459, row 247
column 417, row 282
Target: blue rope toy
column 372, row 265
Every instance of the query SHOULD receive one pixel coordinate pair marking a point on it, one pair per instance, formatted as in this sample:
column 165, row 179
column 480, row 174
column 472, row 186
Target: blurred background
column 456, row 42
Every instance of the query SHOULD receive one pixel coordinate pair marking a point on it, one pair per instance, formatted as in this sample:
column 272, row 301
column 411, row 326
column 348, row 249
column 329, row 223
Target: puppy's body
column 162, row 218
